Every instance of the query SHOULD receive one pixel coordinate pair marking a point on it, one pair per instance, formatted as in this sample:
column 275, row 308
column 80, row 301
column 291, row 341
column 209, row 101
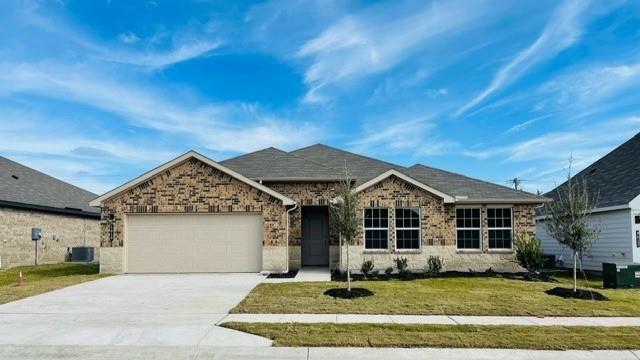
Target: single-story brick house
column 269, row 211
column 32, row 199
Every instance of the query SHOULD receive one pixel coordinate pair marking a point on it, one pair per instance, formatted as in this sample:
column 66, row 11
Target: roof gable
column 446, row 197
column 191, row 154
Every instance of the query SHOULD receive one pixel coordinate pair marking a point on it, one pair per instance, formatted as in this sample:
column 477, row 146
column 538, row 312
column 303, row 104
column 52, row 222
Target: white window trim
column 364, row 232
column 499, row 228
column 419, row 228
column 474, row 250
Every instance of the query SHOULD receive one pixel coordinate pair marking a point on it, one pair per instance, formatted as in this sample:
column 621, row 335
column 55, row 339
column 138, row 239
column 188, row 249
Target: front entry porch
column 315, row 236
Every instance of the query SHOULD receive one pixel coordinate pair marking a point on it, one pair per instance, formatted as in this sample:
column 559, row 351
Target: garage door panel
column 193, row 243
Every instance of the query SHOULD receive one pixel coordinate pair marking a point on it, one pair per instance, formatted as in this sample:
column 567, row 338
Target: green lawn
column 441, row 296
column 458, row 336
column 43, row 278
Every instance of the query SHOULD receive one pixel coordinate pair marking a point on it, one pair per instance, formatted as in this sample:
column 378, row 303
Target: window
column 376, row 228
column 637, row 219
column 468, row 228
column 407, row 228
column 499, row 223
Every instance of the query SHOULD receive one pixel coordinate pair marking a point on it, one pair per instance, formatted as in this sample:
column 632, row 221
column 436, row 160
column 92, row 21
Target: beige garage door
column 193, row 243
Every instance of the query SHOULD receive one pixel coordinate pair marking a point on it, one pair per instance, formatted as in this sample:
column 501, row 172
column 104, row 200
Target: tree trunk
column 348, row 270
column 575, row 271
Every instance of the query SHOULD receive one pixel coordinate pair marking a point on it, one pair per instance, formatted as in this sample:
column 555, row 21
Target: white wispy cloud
column 416, row 137
column 561, row 31
column 128, row 37
column 376, row 40
column 526, row 124
column 232, row 127
column 165, row 48
column 593, row 84
column 158, row 59
column 551, row 151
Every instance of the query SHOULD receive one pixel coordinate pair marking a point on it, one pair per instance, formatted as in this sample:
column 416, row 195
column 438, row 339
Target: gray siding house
column 615, row 181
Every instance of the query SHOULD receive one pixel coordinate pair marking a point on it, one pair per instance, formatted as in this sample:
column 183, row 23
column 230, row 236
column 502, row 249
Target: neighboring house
column 28, row 199
column 614, row 181
column 269, row 211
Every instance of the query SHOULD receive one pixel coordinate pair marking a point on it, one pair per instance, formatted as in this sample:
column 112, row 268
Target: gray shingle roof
column 273, row 164
column 615, row 178
column 364, row 168
column 361, row 168
column 460, row 185
column 21, row 185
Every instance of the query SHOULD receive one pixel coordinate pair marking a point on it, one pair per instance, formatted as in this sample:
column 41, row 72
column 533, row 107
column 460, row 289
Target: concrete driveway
column 138, row 310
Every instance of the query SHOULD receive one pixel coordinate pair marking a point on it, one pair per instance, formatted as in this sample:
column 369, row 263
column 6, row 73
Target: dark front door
column 315, row 236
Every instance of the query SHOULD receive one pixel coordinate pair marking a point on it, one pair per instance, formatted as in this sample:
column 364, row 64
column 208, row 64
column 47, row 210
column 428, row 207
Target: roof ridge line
column 352, row 153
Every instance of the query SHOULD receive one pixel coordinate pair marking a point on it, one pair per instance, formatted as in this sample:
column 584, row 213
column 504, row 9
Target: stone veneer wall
column 59, row 232
column 195, row 187
column 438, row 231
column 306, row 194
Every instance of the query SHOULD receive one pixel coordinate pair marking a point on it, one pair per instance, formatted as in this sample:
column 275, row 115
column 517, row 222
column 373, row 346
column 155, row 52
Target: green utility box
column 622, row 275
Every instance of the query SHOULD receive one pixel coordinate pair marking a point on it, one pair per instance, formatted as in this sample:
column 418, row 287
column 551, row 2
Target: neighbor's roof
column 273, row 164
column 21, row 186
column 614, row 179
column 184, row 157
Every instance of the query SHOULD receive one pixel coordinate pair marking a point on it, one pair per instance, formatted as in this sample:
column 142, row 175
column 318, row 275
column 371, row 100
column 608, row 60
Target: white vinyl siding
column 613, row 245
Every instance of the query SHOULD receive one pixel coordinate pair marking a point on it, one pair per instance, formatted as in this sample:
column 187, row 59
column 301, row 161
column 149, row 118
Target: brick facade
column 59, row 232
column 192, row 187
column 306, row 194
column 195, row 187
column 437, row 219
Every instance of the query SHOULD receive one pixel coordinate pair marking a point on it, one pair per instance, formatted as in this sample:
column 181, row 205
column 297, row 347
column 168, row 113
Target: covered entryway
column 186, row 243
column 315, row 236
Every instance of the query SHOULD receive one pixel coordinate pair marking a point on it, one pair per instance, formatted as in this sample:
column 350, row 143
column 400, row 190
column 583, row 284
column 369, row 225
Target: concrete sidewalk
column 302, row 353
column 432, row 319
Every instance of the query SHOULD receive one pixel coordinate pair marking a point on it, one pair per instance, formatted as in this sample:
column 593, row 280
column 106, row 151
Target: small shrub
column 434, row 266
column 388, row 271
column 374, row 273
column 366, row 267
column 529, row 254
column 402, row 264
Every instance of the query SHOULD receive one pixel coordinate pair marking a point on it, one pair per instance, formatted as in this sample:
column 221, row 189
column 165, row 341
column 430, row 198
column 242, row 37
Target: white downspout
column 295, row 206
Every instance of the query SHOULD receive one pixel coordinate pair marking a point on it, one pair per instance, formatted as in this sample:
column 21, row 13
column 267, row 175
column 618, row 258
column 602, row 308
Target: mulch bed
column 288, row 275
column 343, row 293
column 579, row 294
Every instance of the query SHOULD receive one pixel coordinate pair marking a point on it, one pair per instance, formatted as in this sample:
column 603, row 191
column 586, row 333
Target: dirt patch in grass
column 44, row 278
column 342, row 293
column 578, row 294
column 457, row 336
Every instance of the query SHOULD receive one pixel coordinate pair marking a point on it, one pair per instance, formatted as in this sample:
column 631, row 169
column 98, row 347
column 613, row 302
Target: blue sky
column 96, row 92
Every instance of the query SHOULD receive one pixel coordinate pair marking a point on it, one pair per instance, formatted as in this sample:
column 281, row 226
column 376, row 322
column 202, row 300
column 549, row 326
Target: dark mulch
column 343, row 293
column 342, row 276
column 579, row 294
column 288, row 275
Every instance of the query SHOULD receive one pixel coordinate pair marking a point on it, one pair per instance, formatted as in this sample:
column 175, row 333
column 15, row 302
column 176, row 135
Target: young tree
column 566, row 219
column 344, row 216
